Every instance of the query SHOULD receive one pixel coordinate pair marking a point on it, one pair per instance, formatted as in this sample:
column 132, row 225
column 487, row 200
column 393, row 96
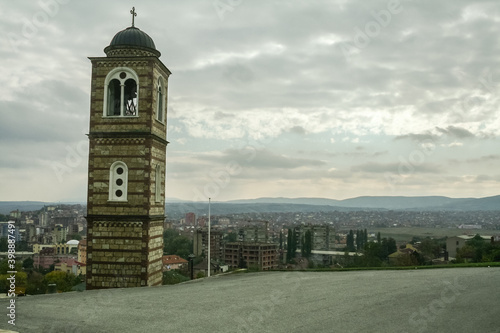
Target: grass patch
column 396, row 268
column 401, row 234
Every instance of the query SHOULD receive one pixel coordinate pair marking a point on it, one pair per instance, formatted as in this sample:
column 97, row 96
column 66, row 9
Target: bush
column 173, row 277
column 36, row 284
column 253, row 268
column 21, row 278
column 64, row 281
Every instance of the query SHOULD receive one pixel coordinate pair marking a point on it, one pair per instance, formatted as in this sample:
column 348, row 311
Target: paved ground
column 434, row 300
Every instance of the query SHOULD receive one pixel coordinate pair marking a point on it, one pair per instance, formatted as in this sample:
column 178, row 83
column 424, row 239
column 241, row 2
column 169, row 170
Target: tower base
column 124, row 252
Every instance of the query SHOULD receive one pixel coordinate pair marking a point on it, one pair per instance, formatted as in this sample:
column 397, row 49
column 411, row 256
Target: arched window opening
column 118, row 179
column 130, row 98
column 160, row 100
column 114, row 92
column 121, row 99
column 158, row 184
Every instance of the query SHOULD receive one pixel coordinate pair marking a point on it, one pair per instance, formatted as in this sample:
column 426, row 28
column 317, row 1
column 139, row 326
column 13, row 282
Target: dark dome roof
column 132, row 36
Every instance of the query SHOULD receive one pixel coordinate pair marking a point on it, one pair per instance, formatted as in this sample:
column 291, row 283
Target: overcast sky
column 331, row 99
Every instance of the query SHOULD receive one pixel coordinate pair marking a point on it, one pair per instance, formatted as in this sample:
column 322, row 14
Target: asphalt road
column 432, row 300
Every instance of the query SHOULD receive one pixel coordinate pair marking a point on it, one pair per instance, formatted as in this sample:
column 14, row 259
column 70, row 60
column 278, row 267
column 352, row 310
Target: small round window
column 119, row 193
column 119, row 182
column 123, row 75
column 119, row 171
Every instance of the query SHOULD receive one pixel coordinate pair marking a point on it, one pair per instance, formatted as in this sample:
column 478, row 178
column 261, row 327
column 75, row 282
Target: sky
column 331, row 99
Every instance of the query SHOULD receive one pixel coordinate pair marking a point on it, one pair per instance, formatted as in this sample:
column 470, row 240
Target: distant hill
column 177, row 207
column 396, row 203
column 7, row 206
column 481, row 204
column 391, row 202
column 25, row 206
column 280, row 200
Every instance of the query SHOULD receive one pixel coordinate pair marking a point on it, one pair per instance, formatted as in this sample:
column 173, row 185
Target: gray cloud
column 482, row 159
column 397, row 168
column 260, row 159
column 418, row 137
column 274, row 76
column 299, row 130
column 457, row 132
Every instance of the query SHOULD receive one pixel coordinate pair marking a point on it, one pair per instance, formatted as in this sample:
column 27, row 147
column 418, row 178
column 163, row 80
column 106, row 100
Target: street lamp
column 191, row 257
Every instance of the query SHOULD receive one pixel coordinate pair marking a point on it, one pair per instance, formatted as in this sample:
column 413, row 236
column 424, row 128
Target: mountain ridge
column 377, row 202
column 273, row 204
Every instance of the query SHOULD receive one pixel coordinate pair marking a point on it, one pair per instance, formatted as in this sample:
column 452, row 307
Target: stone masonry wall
column 115, row 254
column 125, row 238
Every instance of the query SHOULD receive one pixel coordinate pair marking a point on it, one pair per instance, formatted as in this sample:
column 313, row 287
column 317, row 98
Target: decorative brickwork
column 125, row 230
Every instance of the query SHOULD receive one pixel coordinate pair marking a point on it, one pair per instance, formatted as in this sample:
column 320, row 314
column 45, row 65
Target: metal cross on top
column 134, row 14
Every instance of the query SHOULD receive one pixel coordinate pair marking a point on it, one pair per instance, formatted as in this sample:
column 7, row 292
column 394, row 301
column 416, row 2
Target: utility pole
column 209, row 266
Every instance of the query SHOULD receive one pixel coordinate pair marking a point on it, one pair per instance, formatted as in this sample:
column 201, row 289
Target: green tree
column 350, row 241
column 21, row 279
column 173, row 243
column 302, row 246
column 429, row 248
column 4, row 266
column 466, row 253
column 408, row 259
column 291, row 245
column 242, row 263
column 173, row 277
column 64, row 281
column 307, row 244
column 475, row 250
column 294, row 242
column 479, row 245
column 415, row 240
column 391, row 245
column 36, row 284
column 384, row 250
column 491, row 252
column 22, row 246
column 28, row 264
column 372, row 254
column 4, row 244
column 75, row 236
column 231, row 237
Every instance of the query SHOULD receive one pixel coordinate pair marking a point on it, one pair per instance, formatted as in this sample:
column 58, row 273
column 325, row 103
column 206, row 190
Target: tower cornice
column 132, row 135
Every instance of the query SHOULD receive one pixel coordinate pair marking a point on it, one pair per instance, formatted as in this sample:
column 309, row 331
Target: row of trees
column 356, row 243
column 306, row 243
column 375, row 254
column 478, row 250
column 291, row 247
column 35, row 281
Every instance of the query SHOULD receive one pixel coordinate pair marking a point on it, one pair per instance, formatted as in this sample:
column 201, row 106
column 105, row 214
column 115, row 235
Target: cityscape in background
column 53, row 239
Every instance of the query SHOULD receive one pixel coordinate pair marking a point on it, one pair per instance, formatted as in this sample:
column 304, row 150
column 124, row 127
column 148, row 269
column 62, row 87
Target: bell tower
column 127, row 155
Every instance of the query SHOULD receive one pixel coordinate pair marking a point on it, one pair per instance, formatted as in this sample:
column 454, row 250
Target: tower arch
column 121, row 93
